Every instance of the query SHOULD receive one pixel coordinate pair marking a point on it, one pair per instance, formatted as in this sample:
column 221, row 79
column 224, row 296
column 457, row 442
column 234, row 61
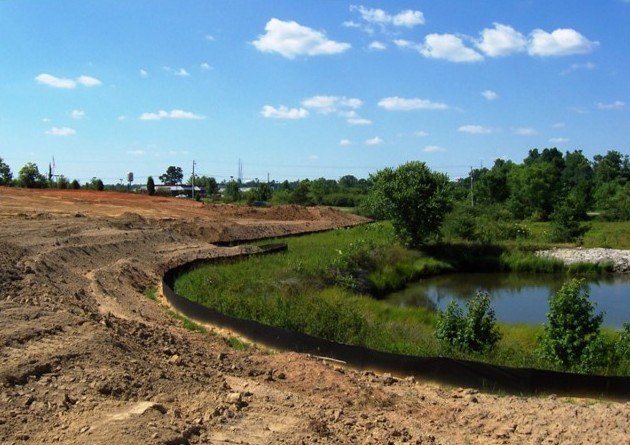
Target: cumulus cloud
column 173, row 114
column 502, row 40
column 61, row 131
column 205, row 66
column 578, row 67
column 475, row 129
column 374, row 16
column 331, row 104
column 558, row 140
column 561, row 42
column 358, row 121
column 616, row 105
column 143, row 72
column 290, row 39
column 64, row 83
column 77, row 114
column 448, row 47
column 374, row 141
column 283, row 112
column 490, row 95
column 433, row 149
column 182, row 73
column 377, row 46
column 136, row 152
column 421, row 133
column 345, row 142
column 403, row 104
column 525, row 131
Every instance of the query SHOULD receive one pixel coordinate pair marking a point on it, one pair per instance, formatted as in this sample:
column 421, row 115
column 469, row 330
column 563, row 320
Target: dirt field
column 87, row 358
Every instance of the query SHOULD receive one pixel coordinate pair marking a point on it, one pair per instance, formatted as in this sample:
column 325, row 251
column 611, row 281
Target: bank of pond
column 353, row 286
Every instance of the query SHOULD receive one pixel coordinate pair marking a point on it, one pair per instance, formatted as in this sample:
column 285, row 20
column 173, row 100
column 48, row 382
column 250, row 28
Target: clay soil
column 87, row 358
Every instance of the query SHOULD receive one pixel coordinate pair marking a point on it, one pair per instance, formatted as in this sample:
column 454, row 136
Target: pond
column 517, row 298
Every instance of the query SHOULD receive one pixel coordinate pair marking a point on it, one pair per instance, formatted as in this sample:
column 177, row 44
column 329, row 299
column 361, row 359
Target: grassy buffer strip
column 447, row 370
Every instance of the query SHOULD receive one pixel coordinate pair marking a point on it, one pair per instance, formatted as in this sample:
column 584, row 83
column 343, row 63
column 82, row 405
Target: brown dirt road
column 87, row 358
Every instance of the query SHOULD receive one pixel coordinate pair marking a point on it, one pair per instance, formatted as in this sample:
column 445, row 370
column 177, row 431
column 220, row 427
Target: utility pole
column 193, row 181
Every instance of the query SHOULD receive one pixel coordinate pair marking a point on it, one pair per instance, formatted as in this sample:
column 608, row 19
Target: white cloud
column 577, row 67
column 374, row 16
column 502, row 40
column 358, row 121
column 402, row 104
column 205, row 66
column 448, row 47
column 182, row 73
column 561, row 42
column 421, row 133
column 558, row 140
column 345, row 142
column 377, row 46
column 173, row 114
column 616, row 105
column 210, row 38
column 525, row 131
column 77, row 114
column 475, row 129
column 143, row 72
column 283, row 112
column 58, row 82
column 558, row 125
column 433, row 149
column 351, row 24
column 331, row 104
column 313, row 158
column 402, row 43
column 136, row 152
column 122, row 118
column 63, row 131
column 290, row 39
column 374, row 141
column 490, row 95
column 88, row 81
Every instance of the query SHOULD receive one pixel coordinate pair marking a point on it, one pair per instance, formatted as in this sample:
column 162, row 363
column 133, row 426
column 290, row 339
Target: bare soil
column 87, row 358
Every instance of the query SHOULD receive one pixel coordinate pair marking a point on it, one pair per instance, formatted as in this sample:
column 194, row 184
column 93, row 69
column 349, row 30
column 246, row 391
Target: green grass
column 187, row 323
column 325, row 285
column 151, row 293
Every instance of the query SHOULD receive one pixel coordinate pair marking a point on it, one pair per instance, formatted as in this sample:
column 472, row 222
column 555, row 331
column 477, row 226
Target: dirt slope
column 86, row 358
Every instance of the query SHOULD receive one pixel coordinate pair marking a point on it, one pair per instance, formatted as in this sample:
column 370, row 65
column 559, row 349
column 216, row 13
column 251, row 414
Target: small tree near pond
column 475, row 332
column 571, row 339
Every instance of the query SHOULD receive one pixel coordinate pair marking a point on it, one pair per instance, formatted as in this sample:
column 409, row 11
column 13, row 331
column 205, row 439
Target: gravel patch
column 619, row 258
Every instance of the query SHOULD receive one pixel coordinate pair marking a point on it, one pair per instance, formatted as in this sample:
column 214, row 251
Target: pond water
column 517, row 298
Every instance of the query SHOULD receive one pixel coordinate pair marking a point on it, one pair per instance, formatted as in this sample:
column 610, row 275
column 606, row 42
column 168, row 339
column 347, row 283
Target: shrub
column 565, row 227
column 571, row 339
column 476, row 332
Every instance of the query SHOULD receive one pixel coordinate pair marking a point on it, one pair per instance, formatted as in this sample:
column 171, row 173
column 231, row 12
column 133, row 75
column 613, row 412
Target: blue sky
column 307, row 89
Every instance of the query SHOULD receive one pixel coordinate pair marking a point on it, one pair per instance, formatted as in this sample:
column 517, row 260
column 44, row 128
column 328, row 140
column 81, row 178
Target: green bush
column 475, row 332
column 571, row 339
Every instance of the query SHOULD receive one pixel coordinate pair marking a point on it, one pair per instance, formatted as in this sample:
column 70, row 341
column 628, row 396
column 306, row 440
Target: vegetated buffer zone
column 322, row 296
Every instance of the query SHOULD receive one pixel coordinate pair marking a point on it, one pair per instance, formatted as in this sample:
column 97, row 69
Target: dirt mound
column 87, row 357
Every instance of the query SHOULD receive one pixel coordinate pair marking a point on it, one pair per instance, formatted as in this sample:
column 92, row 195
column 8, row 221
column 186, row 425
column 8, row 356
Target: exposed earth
column 87, row 358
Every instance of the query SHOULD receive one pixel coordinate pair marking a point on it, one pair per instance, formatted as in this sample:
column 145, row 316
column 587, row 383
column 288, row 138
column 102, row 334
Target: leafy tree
column 6, row 177
column 232, row 192
column 320, row 188
column 99, row 186
column 613, row 166
column 150, row 186
column 492, row 187
column 348, row 181
column 414, row 198
column 74, row 185
column 571, row 339
column 577, row 182
column 62, row 182
column 565, row 226
column 208, row 182
column 173, row 176
column 30, row 177
column 475, row 332
column 301, row 193
column 263, row 192
column 533, row 189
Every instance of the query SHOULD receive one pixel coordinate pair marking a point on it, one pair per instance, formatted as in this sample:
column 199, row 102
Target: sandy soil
column 86, row 358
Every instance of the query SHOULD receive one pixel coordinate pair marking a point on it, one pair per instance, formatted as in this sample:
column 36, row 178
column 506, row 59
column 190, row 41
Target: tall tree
column 30, row 177
column 6, row 177
column 414, row 198
column 150, row 186
column 173, row 176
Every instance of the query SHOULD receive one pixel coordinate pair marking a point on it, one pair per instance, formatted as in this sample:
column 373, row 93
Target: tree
column 6, row 177
column 74, row 185
column 30, row 177
column 209, row 183
column 414, row 198
column 232, row 192
column 571, row 338
column 62, row 182
column 173, row 176
column 301, row 193
column 475, row 332
column 348, row 181
column 99, row 186
column 150, row 186
column 533, row 190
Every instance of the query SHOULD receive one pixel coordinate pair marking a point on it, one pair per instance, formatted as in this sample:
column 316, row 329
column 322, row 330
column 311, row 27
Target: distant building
column 183, row 191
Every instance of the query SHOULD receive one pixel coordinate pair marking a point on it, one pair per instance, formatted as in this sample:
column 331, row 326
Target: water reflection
column 517, row 298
